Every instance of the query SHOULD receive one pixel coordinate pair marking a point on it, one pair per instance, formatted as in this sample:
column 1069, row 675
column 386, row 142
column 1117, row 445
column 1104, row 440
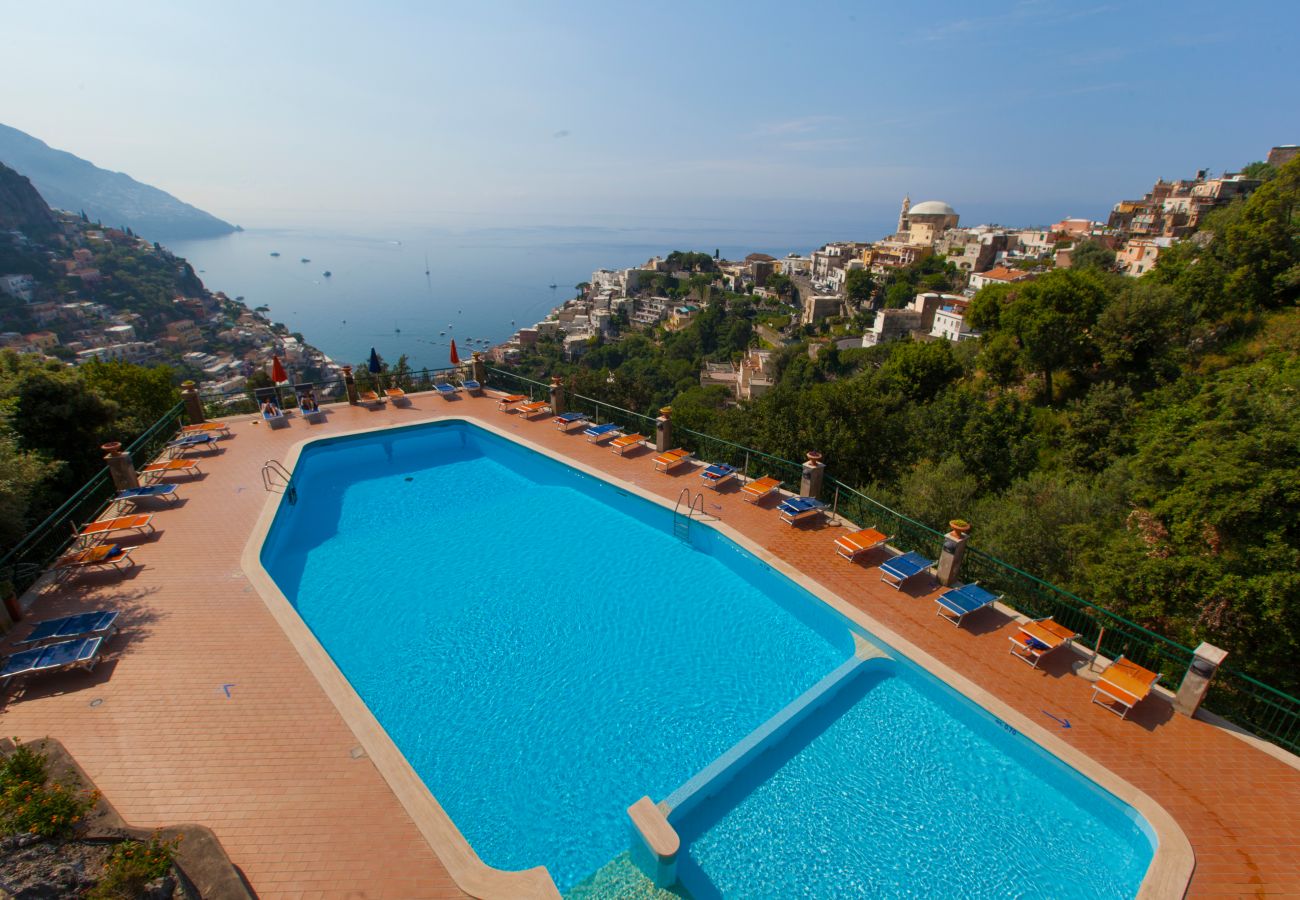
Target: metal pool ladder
column 682, row 521
column 277, row 479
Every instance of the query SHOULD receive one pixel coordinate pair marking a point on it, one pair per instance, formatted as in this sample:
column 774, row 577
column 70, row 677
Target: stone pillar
column 664, row 430
column 953, row 552
column 119, row 467
column 557, row 396
column 1196, row 683
column 350, row 385
column 193, row 405
column 478, row 371
column 810, row 482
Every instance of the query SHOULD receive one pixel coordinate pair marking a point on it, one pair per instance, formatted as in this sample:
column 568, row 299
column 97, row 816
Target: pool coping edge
column 1168, row 875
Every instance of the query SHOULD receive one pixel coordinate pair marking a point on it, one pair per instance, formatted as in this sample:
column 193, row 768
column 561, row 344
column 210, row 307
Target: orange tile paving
column 274, row 770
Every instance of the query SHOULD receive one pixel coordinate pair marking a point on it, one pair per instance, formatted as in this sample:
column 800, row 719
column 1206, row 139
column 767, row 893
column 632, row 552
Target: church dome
column 932, row 208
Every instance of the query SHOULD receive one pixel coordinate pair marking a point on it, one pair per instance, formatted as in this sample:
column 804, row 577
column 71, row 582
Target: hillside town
column 97, row 293
column 811, row 288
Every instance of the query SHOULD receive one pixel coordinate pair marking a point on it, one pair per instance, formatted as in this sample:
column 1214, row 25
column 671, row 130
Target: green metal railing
column 599, row 410
column 22, row 565
column 327, row 392
column 751, row 463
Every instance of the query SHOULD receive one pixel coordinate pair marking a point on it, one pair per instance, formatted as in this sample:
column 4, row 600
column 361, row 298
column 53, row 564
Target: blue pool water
column 544, row 652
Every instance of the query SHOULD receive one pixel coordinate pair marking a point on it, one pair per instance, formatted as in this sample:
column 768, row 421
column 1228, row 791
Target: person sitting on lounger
column 270, row 410
column 307, row 401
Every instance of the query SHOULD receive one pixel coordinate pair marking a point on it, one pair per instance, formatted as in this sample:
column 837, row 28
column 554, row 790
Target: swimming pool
column 544, row 651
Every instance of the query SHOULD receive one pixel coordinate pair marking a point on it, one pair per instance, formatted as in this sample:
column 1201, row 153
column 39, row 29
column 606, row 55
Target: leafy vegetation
column 132, row 865
column 1132, row 440
column 30, row 803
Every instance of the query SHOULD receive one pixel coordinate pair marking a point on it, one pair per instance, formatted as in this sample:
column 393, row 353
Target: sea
column 412, row 290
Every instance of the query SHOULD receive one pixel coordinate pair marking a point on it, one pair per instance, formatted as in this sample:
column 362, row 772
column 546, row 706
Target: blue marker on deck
column 226, row 688
column 1065, row 723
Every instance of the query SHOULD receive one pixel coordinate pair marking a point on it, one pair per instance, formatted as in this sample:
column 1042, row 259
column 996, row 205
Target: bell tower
column 902, row 214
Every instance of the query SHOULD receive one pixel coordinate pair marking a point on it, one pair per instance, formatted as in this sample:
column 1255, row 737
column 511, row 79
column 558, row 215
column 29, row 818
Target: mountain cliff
column 21, row 207
column 69, row 182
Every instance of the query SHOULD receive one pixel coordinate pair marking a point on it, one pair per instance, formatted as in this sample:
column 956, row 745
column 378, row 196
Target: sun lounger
column 190, row 442
column 308, row 405
column 206, row 428
column 759, row 489
column 140, row 524
column 507, row 403
column 370, row 399
column 597, row 433
column 798, row 509
column 445, row 390
column 666, row 462
column 1123, row 686
column 716, row 475
column 92, row 624
column 1036, row 639
column 397, row 396
column 958, row 603
column 533, row 410
column 471, row 386
column 621, row 445
column 852, row 545
column 110, row 556
column 896, row 572
column 82, row 653
column 159, row 470
column 133, row 496
column 274, row 416
column 567, row 421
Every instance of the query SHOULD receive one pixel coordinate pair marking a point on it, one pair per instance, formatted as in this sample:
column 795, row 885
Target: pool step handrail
column 682, row 522
column 277, row 479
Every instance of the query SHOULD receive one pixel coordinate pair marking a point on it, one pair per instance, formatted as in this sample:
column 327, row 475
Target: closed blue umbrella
column 375, row 366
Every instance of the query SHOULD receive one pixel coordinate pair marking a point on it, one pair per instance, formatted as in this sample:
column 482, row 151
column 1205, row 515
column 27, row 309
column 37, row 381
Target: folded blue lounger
column 472, row 386
column 192, row 440
column 445, row 389
column 798, row 508
column 141, row 493
column 81, row 625
column 565, row 421
column 81, row 653
column 960, row 602
column 717, row 475
column 901, row 568
column 599, row 432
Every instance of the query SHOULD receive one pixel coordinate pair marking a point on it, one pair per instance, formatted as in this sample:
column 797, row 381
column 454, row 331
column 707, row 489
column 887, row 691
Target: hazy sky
column 276, row 113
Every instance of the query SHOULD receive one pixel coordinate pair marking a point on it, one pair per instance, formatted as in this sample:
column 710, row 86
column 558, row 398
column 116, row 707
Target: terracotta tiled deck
column 272, row 769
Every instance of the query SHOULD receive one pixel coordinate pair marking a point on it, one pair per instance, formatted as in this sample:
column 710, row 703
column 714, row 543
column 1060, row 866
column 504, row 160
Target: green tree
column 858, row 286
column 1092, row 255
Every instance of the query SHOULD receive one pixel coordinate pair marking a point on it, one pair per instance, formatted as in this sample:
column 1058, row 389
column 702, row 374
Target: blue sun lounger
column 472, row 386
column 959, row 603
column 447, row 391
column 135, row 495
column 715, row 476
column 565, row 421
column 796, row 509
column 597, row 433
column 897, row 571
column 91, row 624
column 82, row 653
column 189, row 442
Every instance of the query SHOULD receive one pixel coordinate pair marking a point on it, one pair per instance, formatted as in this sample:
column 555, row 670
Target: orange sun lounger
column 1123, row 685
column 110, row 555
column 141, row 524
column 203, row 427
column 754, row 491
column 156, row 471
column 625, row 443
column 1036, row 639
column 509, row 400
column 396, row 395
column 531, row 410
column 666, row 462
column 851, row 546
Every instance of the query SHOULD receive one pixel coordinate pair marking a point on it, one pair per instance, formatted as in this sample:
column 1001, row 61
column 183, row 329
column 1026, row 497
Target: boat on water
column 328, row 273
column 275, row 252
column 305, row 259
column 554, row 286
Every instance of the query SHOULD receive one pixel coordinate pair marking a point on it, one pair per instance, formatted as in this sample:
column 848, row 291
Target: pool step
column 620, row 879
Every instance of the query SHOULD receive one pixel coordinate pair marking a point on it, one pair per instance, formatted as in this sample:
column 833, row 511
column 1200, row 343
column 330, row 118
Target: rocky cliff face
column 117, row 200
column 21, row 207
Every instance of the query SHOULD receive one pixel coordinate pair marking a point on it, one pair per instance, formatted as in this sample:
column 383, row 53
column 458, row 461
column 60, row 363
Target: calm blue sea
column 481, row 284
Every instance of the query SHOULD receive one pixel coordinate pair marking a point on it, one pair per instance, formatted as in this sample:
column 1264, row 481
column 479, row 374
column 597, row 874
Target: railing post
column 664, row 430
column 120, row 468
column 810, row 481
column 953, row 552
column 557, row 395
column 193, row 405
column 1196, row 682
column 477, row 368
column 350, row 385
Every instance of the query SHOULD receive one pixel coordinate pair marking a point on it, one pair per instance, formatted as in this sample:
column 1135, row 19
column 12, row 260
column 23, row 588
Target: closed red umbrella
column 455, row 357
column 277, row 371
